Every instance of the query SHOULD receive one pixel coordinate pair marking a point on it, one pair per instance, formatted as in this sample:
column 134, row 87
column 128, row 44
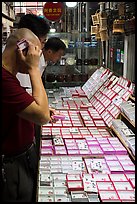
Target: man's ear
column 49, row 51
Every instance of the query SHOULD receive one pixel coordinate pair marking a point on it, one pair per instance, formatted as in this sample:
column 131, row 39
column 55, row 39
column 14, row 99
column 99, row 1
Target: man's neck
column 8, row 65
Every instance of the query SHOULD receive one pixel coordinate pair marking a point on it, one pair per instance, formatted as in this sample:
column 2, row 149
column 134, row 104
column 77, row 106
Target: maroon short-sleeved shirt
column 17, row 133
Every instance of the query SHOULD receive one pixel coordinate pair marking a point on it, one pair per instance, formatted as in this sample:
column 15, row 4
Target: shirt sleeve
column 15, row 97
column 42, row 64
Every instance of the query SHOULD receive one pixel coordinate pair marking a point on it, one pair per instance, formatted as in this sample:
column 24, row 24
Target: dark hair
column 54, row 44
column 36, row 24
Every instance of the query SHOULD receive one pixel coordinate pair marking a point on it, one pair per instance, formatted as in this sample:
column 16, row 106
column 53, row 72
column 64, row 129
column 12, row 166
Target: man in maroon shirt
column 20, row 111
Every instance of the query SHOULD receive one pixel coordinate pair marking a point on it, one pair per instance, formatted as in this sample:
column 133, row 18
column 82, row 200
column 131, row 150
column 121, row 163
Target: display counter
column 81, row 157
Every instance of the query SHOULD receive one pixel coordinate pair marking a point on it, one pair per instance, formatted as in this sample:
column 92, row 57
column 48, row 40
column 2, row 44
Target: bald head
column 22, row 33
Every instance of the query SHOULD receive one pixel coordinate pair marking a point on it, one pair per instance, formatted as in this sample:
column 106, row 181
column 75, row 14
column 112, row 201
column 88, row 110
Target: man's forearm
column 38, row 90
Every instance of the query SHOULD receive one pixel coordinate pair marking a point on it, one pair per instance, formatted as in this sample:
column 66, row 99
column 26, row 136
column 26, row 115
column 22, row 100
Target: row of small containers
column 68, row 178
column 84, row 164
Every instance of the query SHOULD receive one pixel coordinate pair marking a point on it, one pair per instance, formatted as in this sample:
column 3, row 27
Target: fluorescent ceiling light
column 52, row 30
column 71, row 4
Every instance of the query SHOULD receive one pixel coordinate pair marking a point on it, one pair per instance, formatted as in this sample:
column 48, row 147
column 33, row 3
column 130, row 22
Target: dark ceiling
column 93, row 6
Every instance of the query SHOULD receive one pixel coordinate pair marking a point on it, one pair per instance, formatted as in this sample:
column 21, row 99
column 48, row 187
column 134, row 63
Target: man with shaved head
column 20, row 111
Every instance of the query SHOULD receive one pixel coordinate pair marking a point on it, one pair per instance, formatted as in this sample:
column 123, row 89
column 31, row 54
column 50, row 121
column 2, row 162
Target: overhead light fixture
column 71, row 4
column 52, row 30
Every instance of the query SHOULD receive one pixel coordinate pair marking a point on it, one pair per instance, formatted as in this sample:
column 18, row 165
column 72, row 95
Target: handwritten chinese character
column 50, row 10
column 59, row 10
column 46, row 10
column 54, row 10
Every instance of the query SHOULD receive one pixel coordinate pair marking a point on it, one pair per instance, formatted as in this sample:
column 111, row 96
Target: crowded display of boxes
column 81, row 160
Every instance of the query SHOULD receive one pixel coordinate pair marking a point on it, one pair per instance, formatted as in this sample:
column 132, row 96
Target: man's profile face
column 55, row 56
